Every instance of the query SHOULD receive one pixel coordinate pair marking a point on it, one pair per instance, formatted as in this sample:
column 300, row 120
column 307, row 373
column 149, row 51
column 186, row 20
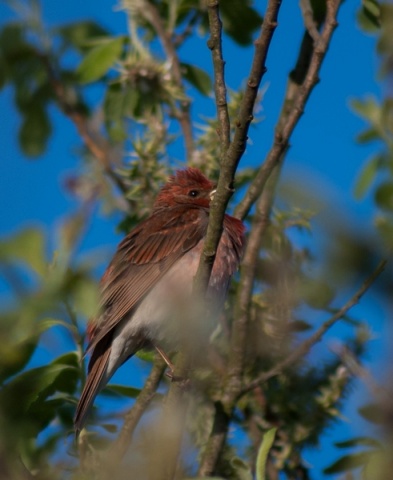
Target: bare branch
column 233, row 381
column 97, row 145
column 229, row 164
column 308, row 18
column 152, row 15
column 284, row 132
column 307, row 344
column 357, row 370
column 215, row 45
column 237, row 146
column 142, row 402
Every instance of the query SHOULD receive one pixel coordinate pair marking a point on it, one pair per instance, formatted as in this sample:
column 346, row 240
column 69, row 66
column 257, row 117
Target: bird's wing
column 141, row 259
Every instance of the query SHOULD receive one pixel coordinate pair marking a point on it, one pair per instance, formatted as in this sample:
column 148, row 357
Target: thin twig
column 98, row 146
column 152, row 15
column 215, row 45
column 283, row 134
column 357, row 370
column 307, row 344
column 133, row 416
column 237, row 146
column 308, row 18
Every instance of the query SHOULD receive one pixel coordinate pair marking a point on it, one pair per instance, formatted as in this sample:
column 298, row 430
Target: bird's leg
column 171, row 374
column 166, row 359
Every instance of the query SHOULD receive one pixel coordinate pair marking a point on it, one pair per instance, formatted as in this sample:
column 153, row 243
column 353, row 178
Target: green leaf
column 34, row 131
column 369, row 135
column 86, row 297
column 197, row 77
column 348, row 462
column 242, row 470
column 372, row 12
column 384, row 196
column 14, row 357
column 366, row 176
column 79, row 34
column 28, row 246
column 359, row 442
column 36, row 385
column 316, row 293
column 122, row 390
column 367, row 108
column 263, row 452
column 99, row 60
column 240, row 20
column 373, row 413
column 146, row 355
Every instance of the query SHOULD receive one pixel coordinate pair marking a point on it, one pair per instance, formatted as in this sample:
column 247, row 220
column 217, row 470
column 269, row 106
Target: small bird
column 150, row 278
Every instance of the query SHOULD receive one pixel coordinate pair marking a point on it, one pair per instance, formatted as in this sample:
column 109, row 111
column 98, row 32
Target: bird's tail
column 96, row 379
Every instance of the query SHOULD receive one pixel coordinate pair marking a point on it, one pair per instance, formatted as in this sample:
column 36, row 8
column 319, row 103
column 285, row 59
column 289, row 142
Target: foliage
column 143, row 108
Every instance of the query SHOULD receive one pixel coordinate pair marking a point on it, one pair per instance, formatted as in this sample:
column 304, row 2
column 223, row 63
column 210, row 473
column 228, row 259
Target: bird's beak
column 211, row 194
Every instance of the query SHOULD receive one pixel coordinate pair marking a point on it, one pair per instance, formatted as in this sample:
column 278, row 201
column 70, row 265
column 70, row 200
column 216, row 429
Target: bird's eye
column 193, row 193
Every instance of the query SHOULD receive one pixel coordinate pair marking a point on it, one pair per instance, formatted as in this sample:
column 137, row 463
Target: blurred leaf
column 359, row 441
column 263, row 453
column 99, row 60
column 243, row 471
column 116, row 104
column 15, row 357
column 372, row 11
column 366, row 176
column 35, row 131
column 316, row 293
column 367, row 108
column 35, row 385
column 378, row 466
column 109, row 427
column 146, row 355
column 348, row 462
column 78, row 34
column 86, row 298
column 384, row 196
column 28, row 246
column 240, row 20
column 197, row 77
column 369, row 135
column 299, row 326
column 373, row 413
column 122, row 390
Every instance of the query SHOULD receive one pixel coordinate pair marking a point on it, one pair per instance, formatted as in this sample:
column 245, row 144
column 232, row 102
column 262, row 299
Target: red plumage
column 152, row 269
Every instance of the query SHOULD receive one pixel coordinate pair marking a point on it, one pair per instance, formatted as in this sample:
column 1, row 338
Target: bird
column 150, row 278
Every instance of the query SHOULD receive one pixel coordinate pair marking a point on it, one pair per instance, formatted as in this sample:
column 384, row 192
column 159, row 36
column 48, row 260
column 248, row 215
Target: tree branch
column 288, row 118
column 233, row 380
column 308, row 18
column 142, row 402
column 284, row 131
column 97, row 145
column 307, row 344
column 236, row 148
column 220, row 90
column 151, row 14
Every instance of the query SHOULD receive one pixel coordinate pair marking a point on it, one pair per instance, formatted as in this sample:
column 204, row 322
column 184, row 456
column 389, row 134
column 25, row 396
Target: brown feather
column 151, row 250
column 169, row 242
column 96, row 371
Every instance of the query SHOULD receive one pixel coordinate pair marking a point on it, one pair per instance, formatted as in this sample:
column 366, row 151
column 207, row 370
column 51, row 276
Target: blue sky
column 323, row 157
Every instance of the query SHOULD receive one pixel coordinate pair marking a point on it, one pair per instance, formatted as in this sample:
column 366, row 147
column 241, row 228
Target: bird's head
column 186, row 187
